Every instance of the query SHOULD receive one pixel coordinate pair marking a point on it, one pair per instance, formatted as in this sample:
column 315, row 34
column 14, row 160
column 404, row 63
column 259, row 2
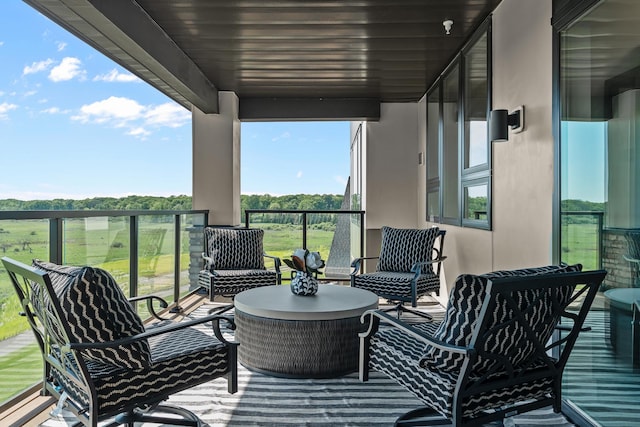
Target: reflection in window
column 450, row 147
column 475, row 202
column 433, row 206
column 476, row 147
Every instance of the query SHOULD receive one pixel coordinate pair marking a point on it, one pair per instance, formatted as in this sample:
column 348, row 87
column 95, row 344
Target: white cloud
column 36, row 67
column 127, row 113
column 54, row 110
column 115, row 110
column 139, row 132
column 68, row 69
column 61, row 46
column 115, row 76
column 5, row 107
column 299, row 174
column 30, row 93
column 167, row 114
column 284, row 135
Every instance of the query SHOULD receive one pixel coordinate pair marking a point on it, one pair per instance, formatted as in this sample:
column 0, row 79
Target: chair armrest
column 376, row 315
column 150, row 298
column 214, row 318
column 208, row 261
column 418, row 267
column 276, row 261
column 358, row 261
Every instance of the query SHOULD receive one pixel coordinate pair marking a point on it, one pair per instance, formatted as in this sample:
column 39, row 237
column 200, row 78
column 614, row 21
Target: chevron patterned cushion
column 463, row 311
column 232, row 282
column 235, row 249
column 179, row 359
column 396, row 354
column 97, row 311
column 396, row 284
column 402, row 248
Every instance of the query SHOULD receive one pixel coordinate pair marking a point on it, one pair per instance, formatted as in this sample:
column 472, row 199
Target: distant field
column 580, row 245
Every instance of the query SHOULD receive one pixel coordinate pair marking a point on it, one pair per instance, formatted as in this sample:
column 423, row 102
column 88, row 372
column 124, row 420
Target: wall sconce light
column 501, row 121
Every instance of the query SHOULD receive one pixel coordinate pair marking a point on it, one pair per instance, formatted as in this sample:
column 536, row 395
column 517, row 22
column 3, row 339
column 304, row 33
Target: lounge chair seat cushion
column 232, row 282
column 397, row 283
column 179, row 359
column 397, row 354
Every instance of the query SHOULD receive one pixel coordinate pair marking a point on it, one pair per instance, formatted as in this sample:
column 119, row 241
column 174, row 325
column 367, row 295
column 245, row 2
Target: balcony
column 158, row 252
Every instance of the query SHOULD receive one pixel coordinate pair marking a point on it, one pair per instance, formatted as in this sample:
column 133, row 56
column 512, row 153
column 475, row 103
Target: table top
column 623, row 297
column 330, row 303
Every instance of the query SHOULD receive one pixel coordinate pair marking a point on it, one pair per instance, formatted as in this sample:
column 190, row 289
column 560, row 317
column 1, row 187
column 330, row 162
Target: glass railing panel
column 156, row 259
column 329, row 234
column 102, row 242
column 191, row 246
column 581, row 238
column 282, row 234
column 20, row 360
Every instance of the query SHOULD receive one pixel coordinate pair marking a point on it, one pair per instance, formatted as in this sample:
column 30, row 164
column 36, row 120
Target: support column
column 216, row 161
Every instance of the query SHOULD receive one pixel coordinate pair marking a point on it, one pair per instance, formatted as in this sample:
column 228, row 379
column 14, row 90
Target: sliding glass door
column 599, row 83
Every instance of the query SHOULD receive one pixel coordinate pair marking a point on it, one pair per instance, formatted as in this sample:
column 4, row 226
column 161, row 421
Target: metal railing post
column 55, row 240
column 177, row 256
column 304, row 230
column 133, row 255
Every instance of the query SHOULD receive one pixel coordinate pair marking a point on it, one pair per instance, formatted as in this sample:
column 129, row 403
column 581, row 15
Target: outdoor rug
column 264, row 400
column 269, row 401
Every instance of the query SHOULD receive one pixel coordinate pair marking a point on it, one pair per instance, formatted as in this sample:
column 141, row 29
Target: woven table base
column 298, row 348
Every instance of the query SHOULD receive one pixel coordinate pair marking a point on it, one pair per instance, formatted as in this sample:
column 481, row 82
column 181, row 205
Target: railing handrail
column 300, row 211
column 57, row 214
column 304, row 213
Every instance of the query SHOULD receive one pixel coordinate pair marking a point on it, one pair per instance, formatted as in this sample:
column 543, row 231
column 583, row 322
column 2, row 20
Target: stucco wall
column 390, row 172
column 216, row 161
column 523, row 166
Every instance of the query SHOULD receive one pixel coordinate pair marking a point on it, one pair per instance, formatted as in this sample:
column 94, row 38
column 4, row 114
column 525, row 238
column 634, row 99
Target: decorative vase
column 304, row 284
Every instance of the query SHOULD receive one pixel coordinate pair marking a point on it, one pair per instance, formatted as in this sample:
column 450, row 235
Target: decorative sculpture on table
column 306, row 265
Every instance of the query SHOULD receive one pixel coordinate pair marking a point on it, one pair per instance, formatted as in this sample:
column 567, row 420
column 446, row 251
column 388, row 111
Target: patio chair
column 234, row 261
column 408, row 267
column 498, row 351
column 100, row 361
column 633, row 256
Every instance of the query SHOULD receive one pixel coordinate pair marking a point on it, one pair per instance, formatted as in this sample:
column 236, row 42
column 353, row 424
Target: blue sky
column 74, row 124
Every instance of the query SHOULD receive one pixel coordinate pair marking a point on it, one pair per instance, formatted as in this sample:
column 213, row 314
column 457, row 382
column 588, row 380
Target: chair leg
column 399, row 308
column 188, row 418
column 424, row 416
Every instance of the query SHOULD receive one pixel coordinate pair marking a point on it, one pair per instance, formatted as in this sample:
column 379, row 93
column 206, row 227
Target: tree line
column 254, row 201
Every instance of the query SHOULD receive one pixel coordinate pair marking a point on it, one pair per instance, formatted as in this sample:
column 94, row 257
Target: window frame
column 471, row 176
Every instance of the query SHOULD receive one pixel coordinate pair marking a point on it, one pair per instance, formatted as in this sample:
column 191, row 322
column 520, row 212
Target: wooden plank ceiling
column 382, row 50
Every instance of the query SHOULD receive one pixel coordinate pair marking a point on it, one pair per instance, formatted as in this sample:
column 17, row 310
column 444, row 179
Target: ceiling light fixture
column 448, row 23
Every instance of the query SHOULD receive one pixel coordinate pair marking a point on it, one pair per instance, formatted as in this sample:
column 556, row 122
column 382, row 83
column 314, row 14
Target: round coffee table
column 288, row 335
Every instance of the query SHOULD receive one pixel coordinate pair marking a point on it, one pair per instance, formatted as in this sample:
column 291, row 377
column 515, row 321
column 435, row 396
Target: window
column 458, row 147
column 433, row 158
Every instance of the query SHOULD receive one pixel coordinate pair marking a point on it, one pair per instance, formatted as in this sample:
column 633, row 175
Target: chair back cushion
column 510, row 339
column 96, row 310
column 402, row 248
column 234, row 248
